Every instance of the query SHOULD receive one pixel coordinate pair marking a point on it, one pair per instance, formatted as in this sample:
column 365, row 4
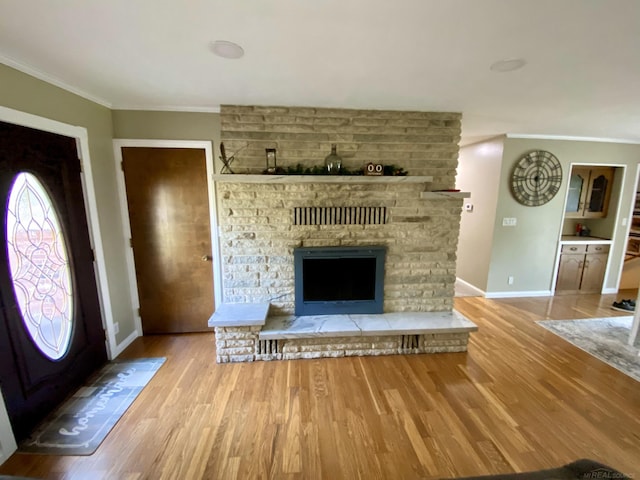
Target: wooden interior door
column 171, row 237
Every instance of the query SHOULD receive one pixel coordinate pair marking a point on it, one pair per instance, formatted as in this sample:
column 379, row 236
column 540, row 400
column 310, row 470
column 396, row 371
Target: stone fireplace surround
column 259, row 222
column 258, row 237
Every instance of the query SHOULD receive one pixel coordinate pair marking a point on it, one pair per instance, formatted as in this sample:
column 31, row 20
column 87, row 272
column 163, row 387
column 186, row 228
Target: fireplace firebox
column 339, row 280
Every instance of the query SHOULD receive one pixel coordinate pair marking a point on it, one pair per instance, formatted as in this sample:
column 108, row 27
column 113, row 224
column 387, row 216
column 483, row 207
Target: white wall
column 27, row 94
column 488, row 253
column 479, row 168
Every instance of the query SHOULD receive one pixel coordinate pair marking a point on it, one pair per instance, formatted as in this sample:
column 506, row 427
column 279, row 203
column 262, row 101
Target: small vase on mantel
column 333, row 161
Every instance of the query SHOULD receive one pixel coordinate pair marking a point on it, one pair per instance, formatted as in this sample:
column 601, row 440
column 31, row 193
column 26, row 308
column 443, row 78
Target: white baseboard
column 529, row 293
column 607, row 291
column 471, row 287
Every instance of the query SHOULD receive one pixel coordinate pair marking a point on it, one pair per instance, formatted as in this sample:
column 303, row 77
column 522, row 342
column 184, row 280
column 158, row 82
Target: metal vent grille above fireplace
column 340, row 215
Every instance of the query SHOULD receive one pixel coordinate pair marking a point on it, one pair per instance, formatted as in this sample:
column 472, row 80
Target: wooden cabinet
column 595, row 265
column 570, row 270
column 589, row 192
column 582, row 268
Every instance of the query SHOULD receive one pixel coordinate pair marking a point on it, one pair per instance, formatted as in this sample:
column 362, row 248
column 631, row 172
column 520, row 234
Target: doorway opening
column 630, row 277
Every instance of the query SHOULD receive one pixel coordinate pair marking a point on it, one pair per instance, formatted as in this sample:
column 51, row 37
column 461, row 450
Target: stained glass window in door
column 39, row 266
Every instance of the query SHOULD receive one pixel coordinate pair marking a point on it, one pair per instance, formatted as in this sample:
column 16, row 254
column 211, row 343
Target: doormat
column 604, row 338
column 82, row 422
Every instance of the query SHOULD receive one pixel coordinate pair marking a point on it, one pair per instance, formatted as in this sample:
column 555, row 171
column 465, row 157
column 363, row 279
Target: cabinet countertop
column 574, row 239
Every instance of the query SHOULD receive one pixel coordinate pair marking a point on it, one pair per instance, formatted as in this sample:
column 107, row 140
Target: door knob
column 206, row 258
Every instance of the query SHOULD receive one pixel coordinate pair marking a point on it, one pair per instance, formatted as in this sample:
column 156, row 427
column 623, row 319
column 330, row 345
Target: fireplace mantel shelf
column 348, row 179
column 437, row 195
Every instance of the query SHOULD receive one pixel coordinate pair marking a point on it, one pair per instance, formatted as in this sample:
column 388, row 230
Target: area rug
column 82, row 422
column 604, row 338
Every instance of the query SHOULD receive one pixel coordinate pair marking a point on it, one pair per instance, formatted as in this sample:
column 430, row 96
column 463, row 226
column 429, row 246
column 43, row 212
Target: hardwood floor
column 520, row 399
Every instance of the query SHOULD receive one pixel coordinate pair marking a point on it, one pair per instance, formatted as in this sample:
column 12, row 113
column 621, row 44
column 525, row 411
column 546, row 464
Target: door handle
column 206, row 258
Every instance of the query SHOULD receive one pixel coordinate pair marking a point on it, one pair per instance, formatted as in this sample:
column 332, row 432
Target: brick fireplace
column 263, row 218
column 258, row 236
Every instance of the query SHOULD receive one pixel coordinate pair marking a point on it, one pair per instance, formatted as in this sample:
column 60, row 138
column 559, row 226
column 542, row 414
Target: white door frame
column 16, row 117
column 118, row 144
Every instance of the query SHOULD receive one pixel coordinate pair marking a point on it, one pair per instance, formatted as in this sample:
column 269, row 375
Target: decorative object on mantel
column 394, row 171
column 333, row 161
column 271, row 160
column 299, row 169
column 373, row 169
column 227, row 161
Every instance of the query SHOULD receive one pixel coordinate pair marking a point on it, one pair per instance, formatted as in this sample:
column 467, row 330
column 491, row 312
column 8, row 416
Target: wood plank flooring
column 520, row 399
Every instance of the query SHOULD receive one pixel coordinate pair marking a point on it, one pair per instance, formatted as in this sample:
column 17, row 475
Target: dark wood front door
column 168, row 205
column 40, row 364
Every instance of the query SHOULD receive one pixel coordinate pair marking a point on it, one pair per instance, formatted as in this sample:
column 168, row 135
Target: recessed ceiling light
column 226, row 49
column 508, row 65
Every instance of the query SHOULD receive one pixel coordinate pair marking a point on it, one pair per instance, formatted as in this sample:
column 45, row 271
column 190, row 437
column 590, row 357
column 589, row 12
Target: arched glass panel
column 39, row 266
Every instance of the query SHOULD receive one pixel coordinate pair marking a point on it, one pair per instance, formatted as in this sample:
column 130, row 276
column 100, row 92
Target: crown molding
column 45, row 77
column 572, row 138
column 40, row 75
column 167, row 108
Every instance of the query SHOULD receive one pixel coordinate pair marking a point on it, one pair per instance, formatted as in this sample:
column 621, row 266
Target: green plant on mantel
column 299, row 169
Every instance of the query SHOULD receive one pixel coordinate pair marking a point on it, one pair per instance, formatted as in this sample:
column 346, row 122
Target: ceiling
column 582, row 77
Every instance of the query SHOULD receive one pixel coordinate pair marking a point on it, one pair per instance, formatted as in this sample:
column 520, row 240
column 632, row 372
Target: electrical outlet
column 509, row 222
column 116, row 328
column 510, row 281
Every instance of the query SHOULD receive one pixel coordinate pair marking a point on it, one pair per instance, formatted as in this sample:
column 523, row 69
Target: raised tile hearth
column 245, row 333
column 403, row 323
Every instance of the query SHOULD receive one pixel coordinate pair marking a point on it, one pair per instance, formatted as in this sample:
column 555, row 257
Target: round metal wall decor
column 536, row 178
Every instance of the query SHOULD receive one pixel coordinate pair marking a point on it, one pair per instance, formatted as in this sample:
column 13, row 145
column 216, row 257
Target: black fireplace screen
column 339, row 280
